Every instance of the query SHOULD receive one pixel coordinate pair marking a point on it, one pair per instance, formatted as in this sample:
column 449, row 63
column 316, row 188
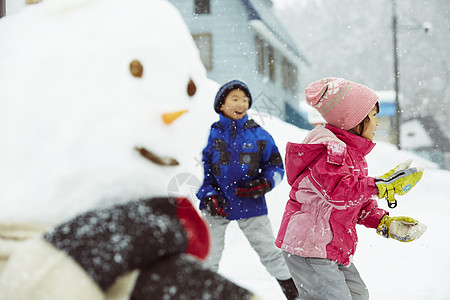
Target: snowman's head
column 102, row 102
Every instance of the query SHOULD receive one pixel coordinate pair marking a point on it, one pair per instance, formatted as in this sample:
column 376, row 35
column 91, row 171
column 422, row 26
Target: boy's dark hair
column 228, row 87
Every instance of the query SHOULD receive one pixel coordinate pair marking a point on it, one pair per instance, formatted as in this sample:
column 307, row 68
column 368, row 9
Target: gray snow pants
column 324, row 279
column 258, row 232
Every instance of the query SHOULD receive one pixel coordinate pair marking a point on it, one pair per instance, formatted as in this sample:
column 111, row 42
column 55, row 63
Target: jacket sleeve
column 370, row 214
column 272, row 163
column 341, row 185
column 209, row 186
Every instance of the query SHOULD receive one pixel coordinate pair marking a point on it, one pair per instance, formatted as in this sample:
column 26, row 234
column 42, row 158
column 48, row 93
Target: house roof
column 266, row 23
column 423, row 133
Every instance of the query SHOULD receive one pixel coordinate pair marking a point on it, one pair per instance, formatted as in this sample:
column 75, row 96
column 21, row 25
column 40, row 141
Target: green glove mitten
column 403, row 229
column 399, row 180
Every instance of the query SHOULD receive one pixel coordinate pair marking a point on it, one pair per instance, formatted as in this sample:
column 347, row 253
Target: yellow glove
column 399, row 180
column 403, row 166
column 403, row 229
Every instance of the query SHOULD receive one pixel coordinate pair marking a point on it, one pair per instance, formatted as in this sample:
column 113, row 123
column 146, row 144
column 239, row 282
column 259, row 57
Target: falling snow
column 69, row 147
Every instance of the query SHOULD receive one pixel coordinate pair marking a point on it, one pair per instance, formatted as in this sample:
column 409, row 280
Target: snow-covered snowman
column 104, row 108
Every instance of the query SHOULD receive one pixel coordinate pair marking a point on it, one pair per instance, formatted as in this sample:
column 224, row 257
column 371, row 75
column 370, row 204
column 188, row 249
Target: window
column 204, row 45
column 202, row 7
column 260, row 61
column 265, row 58
column 271, row 62
column 284, row 73
column 288, row 75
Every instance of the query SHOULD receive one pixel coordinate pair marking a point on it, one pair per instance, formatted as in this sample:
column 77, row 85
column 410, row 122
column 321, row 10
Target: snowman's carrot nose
column 168, row 118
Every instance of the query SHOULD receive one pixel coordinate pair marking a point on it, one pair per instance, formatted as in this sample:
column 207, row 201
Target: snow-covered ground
column 71, row 114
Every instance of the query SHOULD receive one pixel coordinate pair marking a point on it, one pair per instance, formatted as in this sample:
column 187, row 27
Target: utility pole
column 2, row 8
column 396, row 73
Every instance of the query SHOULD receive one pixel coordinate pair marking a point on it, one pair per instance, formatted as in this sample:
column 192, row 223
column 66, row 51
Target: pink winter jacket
column 330, row 194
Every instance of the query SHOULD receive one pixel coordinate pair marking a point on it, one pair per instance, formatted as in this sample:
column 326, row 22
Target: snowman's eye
column 136, row 68
column 191, row 88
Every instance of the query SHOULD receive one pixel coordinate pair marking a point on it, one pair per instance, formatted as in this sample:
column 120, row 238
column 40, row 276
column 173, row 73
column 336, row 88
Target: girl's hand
column 403, row 229
column 399, row 180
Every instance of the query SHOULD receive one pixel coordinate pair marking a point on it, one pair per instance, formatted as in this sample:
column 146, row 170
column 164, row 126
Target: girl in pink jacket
column 332, row 192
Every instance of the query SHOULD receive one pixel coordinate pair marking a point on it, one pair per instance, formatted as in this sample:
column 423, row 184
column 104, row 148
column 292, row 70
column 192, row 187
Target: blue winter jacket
column 237, row 152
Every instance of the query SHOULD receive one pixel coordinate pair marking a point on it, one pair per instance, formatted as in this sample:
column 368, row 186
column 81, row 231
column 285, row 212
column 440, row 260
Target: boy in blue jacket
column 241, row 163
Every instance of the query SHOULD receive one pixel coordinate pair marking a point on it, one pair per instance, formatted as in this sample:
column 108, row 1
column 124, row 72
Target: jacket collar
column 362, row 145
column 227, row 122
column 337, row 143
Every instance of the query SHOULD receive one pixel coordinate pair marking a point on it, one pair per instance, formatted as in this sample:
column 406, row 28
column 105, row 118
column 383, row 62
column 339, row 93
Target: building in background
column 243, row 39
column 423, row 136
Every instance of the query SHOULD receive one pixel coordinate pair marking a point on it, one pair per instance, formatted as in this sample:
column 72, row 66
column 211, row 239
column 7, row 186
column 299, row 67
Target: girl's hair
column 359, row 129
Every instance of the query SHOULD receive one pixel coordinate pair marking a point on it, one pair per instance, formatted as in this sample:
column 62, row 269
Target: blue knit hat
column 227, row 88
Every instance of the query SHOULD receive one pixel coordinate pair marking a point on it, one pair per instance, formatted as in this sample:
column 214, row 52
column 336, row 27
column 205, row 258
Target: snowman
column 104, row 109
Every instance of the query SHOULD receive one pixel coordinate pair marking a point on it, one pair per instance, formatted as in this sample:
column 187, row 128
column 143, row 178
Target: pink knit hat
column 342, row 103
